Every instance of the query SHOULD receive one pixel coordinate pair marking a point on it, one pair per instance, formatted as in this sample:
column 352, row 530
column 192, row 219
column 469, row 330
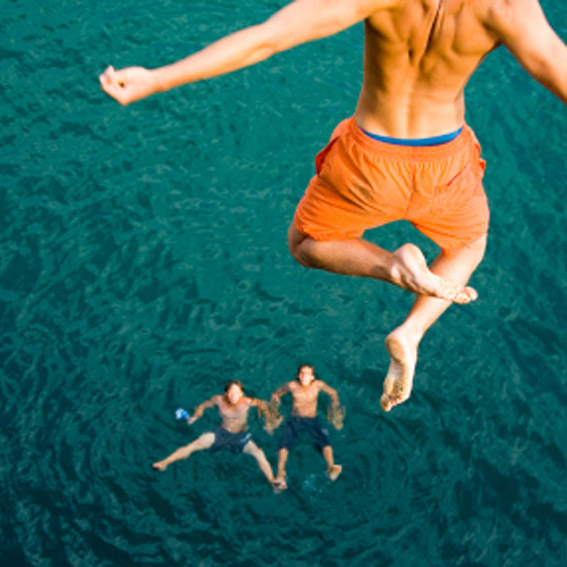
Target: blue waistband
column 433, row 141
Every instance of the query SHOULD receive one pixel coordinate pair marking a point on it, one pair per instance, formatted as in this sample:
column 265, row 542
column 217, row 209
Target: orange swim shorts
column 363, row 183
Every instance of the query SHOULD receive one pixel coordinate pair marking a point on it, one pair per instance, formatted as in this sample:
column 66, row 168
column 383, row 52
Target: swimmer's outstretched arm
column 199, row 410
column 299, row 22
column 522, row 27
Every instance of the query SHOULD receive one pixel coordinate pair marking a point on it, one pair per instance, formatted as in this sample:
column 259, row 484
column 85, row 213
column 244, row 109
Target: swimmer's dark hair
column 233, row 383
column 299, row 368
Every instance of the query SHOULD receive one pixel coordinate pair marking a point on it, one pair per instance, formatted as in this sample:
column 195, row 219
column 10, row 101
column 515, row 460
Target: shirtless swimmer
column 232, row 435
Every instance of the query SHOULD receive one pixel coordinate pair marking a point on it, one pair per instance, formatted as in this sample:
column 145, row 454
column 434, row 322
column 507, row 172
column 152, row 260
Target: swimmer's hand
column 130, row 84
column 190, row 420
column 336, row 416
column 273, row 417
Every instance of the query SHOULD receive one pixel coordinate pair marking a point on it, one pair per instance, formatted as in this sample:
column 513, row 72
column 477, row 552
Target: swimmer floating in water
column 232, row 435
column 405, row 154
column 303, row 420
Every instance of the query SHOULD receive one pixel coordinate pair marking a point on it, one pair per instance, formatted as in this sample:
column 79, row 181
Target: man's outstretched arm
column 299, row 22
column 199, row 410
column 522, row 27
column 277, row 394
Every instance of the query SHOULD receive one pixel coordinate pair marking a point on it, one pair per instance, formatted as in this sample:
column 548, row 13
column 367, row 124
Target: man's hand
column 129, row 85
column 273, row 417
column 191, row 420
column 336, row 416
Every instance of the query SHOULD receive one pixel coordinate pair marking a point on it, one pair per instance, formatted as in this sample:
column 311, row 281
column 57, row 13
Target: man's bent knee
column 296, row 242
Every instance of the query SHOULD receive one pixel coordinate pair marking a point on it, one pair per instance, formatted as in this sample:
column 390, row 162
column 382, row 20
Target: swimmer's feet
column 399, row 380
column 159, row 466
column 410, row 271
column 280, row 483
column 334, row 471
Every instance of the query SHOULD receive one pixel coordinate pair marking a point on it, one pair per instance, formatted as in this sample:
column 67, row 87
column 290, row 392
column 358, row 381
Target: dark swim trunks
column 296, row 426
column 227, row 441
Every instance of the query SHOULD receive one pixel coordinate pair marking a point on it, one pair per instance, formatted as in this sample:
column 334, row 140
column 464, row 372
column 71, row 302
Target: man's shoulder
column 493, row 12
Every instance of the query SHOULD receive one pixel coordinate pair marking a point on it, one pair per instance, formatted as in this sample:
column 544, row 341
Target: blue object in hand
column 181, row 414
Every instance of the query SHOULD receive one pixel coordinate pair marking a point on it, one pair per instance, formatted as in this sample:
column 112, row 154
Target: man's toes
column 463, row 295
column 472, row 293
column 386, row 402
column 388, row 387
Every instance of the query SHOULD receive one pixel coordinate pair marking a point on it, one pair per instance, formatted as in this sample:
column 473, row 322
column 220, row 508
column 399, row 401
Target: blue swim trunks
column 296, row 426
column 227, row 441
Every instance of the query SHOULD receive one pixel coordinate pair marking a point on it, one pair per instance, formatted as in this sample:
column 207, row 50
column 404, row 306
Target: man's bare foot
column 280, row 483
column 334, row 472
column 160, row 466
column 411, row 272
column 399, row 380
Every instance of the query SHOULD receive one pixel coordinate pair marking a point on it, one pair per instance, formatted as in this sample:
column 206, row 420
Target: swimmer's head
column 305, row 374
column 233, row 391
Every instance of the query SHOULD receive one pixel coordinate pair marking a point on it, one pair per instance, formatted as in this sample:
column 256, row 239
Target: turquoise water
column 143, row 262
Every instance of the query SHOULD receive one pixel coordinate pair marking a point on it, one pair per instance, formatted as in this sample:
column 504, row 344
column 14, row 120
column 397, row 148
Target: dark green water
column 143, row 262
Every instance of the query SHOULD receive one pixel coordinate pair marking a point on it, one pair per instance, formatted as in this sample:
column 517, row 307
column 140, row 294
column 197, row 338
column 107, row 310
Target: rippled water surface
column 143, row 262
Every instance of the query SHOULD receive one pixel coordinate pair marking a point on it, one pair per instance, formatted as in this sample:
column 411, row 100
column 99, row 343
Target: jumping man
column 407, row 152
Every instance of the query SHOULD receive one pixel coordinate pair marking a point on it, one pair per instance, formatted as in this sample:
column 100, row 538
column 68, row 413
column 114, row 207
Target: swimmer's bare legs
column 333, row 470
column 203, row 442
column 252, row 449
column 403, row 342
column 406, row 267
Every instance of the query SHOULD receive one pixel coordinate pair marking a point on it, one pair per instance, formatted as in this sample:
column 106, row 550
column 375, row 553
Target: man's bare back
column 420, row 54
column 418, row 57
